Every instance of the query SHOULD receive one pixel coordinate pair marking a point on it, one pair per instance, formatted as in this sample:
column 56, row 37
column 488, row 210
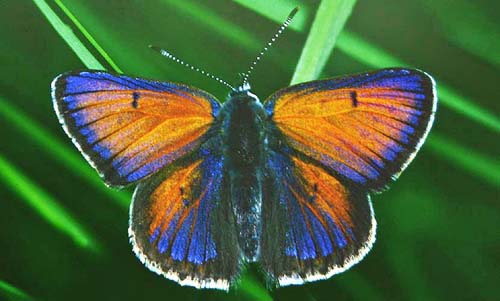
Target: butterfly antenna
column 282, row 28
column 176, row 59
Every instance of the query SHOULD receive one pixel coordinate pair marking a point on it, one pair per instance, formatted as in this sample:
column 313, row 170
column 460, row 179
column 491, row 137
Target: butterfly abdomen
column 244, row 151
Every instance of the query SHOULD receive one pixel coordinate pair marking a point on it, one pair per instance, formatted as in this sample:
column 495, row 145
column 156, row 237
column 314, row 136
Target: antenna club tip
column 293, row 12
column 153, row 47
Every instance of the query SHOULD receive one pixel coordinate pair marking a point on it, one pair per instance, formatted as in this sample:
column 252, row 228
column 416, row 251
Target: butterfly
column 285, row 182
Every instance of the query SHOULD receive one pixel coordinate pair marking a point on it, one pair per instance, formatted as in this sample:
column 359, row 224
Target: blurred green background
column 63, row 234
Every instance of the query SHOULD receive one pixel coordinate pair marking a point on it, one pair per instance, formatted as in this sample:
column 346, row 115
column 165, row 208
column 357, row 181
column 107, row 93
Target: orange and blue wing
column 332, row 142
column 366, row 128
column 313, row 225
column 181, row 224
column 129, row 128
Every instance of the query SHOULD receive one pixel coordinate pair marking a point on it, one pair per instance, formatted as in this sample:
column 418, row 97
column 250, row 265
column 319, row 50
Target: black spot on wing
column 135, row 100
column 354, row 98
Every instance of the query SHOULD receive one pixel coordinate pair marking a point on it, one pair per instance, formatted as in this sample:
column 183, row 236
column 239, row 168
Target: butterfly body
column 243, row 130
column 286, row 182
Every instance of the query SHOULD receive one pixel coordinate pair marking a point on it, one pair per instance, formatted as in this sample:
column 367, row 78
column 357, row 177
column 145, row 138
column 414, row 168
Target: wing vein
column 347, row 146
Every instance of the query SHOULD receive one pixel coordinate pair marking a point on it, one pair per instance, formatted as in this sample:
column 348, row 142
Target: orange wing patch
column 171, row 197
column 329, row 196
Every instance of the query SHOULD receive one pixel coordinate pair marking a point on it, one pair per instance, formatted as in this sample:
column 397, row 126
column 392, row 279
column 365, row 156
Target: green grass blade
column 88, row 36
column 45, row 205
column 477, row 164
column 69, row 37
column 59, row 151
column 12, row 293
column 328, row 23
column 373, row 56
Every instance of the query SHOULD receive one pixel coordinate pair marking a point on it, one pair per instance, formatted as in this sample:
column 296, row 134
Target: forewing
column 129, row 128
column 181, row 223
column 365, row 128
column 313, row 225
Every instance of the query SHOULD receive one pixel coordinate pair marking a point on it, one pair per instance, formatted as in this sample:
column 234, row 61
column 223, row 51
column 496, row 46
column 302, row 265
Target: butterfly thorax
column 244, row 149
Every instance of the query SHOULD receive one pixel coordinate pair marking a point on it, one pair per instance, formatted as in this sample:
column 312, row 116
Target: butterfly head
column 243, row 93
column 244, row 87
